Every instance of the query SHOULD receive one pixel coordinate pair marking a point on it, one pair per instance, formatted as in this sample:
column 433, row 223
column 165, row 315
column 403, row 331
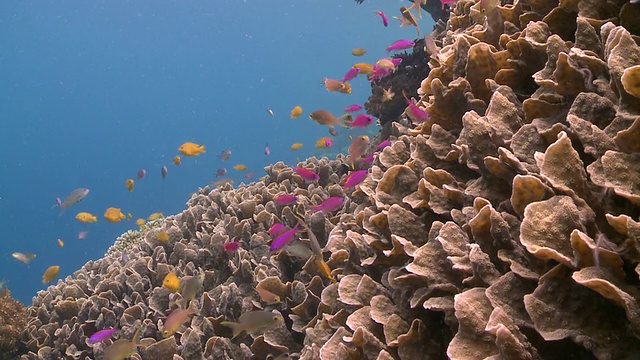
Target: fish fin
column 341, row 121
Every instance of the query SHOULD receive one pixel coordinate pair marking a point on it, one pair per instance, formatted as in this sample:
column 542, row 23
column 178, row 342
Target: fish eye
column 165, row 333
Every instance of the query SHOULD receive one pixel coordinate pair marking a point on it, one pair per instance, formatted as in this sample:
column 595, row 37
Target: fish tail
column 236, row 328
column 342, row 122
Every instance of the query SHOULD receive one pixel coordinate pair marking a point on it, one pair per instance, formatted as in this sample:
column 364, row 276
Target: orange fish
column 240, row 167
column 51, row 273
column 130, row 183
column 357, row 148
column 114, row 215
column 140, row 222
column 155, row 216
column 171, row 282
column 85, row 217
column 366, row 69
column 336, row 86
column 296, row 112
column 60, row 243
column 296, row 146
column 162, row 237
column 358, row 52
column 191, row 149
column 177, row 160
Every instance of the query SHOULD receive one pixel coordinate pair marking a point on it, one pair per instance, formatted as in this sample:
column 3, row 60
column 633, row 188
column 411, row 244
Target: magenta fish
column 231, row 247
column 281, row 241
column 362, row 121
column 401, row 45
column 305, row 174
column 276, row 229
column 142, row 173
column 385, row 22
column 328, row 142
column 355, row 178
column 82, row 235
column 368, row 159
column 221, row 172
column 418, row 115
column 267, row 151
column 286, row 199
column 329, row 205
column 383, row 145
column 164, row 171
column 351, row 74
column 101, row 335
column 353, row 108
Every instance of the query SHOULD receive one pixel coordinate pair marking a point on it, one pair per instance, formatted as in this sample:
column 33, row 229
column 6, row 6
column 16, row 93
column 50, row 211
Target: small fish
column 329, row 205
column 75, row 197
column 355, row 178
column 270, row 112
column 142, row 173
column 296, row 146
column 487, row 6
column 267, row 151
column 253, row 321
column 323, row 142
column 337, row 86
column 353, row 108
column 85, row 217
column 249, row 175
column 357, row 148
column 221, row 172
column 383, row 145
column 324, row 117
column 191, row 149
column 333, row 132
column 102, row 335
column 171, row 282
column 114, row 215
column 306, row 174
column 24, row 257
column 164, row 171
column 369, row 159
column 155, row 216
column 385, row 21
column 175, row 321
column 225, row 155
column 275, row 230
column 362, row 121
column 296, row 112
column 122, row 348
column 130, row 184
column 283, row 239
column 267, row 296
column 60, row 243
column 358, row 52
column 50, row 274
column 401, row 45
column 430, row 46
column 351, row 74
column 177, row 160
column 286, row 199
column 366, row 69
column 415, row 113
column 317, row 251
column 191, row 285
column 408, row 19
column 240, row 167
column 82, row 235
column 162, row 237
column 140, row 222
column 231, row 247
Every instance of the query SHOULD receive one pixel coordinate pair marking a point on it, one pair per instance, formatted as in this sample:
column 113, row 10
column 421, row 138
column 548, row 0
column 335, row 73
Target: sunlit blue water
column 90, row 92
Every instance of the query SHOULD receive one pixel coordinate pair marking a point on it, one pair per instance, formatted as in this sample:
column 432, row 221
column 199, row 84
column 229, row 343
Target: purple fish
column 368, row 159
column 353, row 108
column 418, row 115
column 101, row 335
column 82, row 235
column 225, row 155
column 362, row 121
column 385, row 22
column 221, row 172
column 401, row 45
column 267, row 151
column 328, row 142
column 281, row 241
column 142, row 173
column 351, row 74
column 355, row 178
column 286, row 199
column 383, row 145
column 396, row 61
column 329, row 205
column 306, row 174
column 164, row 171
column 276, row 229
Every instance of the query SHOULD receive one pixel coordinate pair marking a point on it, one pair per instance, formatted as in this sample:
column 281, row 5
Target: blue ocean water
column 91, row 92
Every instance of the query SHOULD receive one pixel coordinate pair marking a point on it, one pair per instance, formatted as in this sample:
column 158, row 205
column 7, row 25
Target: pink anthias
column 418, row 115
column 82, row 235
column 306, row 174
column 329, row 205
column 328, row 142
column 384, row 67
column 231, row 247
column 267, row 151
column 286, row 199
column 362, row 121
column 369, row 159
column 383, row 145
column 353, row 108
column 284, row 239
column 450, row 2
column 355, row 178
column 102, row 335
column 276, row 229
column 401, row 45
column 164, row 171
column 385, row 22
column 351, row 74
column 142, row 173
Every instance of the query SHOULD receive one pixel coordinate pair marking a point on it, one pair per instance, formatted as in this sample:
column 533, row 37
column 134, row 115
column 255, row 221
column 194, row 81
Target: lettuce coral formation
column 505, row 227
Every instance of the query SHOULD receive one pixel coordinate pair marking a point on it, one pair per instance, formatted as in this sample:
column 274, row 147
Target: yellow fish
column 366, row 69
column 323, row 141
column 191, row 149
column 358, row 52
column 51, row 273
column 162, row 237
column 129, row 184
column 140, row 222
column 171, row 282
column 296, row 112
column 240, row 167
column 114, row 215
column 60, row 243
column 177, row 160
column 122, row 348
column 253, row 321
column 296, row 146
column 85, row 217
column 155, row 216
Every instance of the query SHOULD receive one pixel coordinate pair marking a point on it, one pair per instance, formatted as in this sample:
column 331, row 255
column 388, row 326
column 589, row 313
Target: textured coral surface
column 505, row 227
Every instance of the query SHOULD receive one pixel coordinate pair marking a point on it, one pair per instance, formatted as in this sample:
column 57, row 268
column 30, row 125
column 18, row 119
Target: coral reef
column 505, row 227
column 13, row 322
